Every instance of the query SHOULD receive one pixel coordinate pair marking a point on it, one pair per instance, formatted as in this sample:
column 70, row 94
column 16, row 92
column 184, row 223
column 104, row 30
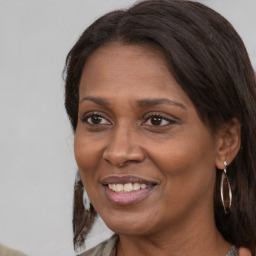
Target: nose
column 123, row 148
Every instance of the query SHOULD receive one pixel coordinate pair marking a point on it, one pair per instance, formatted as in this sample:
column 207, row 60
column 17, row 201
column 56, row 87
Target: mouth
column 127, row 189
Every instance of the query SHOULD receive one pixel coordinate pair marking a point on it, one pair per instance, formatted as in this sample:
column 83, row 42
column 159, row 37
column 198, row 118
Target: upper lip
column 126, row 179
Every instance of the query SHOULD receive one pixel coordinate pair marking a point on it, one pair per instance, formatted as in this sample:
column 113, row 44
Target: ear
column 228, row 142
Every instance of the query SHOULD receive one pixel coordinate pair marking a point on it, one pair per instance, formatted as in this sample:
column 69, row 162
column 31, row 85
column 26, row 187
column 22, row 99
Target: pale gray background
column 37, row 166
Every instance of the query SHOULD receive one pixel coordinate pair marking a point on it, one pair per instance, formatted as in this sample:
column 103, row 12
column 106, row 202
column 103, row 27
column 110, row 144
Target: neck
column 199, row 237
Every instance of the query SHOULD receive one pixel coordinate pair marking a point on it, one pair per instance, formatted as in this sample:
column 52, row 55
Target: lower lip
column 127, row 197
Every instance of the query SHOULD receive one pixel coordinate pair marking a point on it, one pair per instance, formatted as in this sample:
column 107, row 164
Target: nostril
column 120, row 153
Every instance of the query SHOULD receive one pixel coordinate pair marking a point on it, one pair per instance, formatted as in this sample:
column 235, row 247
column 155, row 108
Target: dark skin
column 135, row 120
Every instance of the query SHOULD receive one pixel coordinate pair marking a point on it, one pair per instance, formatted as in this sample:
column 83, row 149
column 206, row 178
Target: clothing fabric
column 6, row 251
column 108, row 248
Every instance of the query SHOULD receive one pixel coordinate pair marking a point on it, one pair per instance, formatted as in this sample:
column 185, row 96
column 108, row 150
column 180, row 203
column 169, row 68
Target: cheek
column 87, row 158
column 188, row 163
column 189, row 178
column 86, row 149
column 177, row 157
column 86, row 155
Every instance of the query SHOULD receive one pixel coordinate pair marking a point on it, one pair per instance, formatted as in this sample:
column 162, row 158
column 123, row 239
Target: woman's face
column 146, row 159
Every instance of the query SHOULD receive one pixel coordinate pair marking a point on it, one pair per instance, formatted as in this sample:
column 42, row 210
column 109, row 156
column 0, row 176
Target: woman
column 162, row 101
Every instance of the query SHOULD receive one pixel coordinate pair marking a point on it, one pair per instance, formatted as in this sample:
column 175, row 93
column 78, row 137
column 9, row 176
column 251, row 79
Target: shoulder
column 244, row 252
column 4, row 250
column 102, row 249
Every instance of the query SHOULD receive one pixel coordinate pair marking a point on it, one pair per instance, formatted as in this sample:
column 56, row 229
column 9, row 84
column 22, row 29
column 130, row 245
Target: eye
column 95, row 119
column 157, row 120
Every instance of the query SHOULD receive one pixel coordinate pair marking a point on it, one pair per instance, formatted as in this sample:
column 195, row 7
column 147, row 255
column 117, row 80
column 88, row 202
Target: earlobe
column 228, row 142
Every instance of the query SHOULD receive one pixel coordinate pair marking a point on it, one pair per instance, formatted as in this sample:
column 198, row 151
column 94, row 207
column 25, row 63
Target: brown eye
column 95, row 120
column 157, row 120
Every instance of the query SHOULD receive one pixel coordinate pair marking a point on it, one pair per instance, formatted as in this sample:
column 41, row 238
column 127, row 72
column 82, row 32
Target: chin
column 128, row 231
column 128, row 226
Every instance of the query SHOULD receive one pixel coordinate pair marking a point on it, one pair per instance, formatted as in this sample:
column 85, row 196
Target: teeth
column 136, row 186
column 128, row 187
column 143, row 186
column 119, row 187
column 112, row 186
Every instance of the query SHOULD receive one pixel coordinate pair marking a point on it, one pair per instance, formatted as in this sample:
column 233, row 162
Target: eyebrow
column 99, row 101
column 141, row 103
column 155, row 102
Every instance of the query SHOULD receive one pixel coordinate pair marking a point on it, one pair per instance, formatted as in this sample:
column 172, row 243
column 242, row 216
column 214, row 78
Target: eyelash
column 85, row 119
column 161, row 118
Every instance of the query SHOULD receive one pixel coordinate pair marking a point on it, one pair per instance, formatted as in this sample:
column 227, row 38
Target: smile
column 128, row 187
column 127, row 190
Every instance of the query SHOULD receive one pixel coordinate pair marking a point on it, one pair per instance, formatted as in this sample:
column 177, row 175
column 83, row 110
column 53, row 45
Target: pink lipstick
column 127, row 189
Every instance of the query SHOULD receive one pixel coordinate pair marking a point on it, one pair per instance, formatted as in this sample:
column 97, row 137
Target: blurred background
column 37, row 166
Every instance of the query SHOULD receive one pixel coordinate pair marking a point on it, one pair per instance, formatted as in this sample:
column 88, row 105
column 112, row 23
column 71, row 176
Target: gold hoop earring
column 225, row 190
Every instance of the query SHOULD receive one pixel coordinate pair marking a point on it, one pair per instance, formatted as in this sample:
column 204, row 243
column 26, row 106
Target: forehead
column 117, row 56
column 117, row 48
column 139, row 69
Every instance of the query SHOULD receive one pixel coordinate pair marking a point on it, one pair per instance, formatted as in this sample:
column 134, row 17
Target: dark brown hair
column 209, row 61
